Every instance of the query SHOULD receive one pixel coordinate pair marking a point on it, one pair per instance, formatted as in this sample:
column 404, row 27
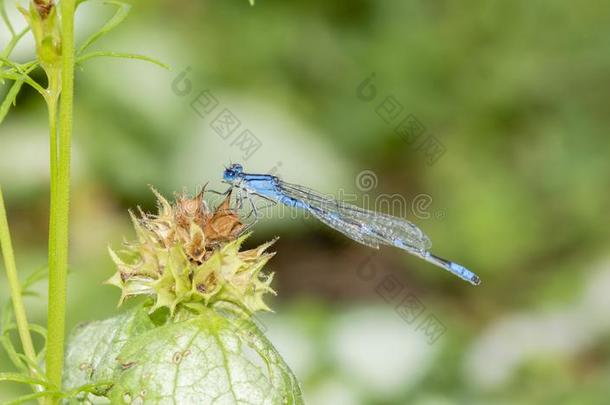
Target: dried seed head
column 187, row 254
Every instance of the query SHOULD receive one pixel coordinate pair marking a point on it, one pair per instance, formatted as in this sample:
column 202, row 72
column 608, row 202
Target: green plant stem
column 15, row 287
column 60, row 205
column 51, row 98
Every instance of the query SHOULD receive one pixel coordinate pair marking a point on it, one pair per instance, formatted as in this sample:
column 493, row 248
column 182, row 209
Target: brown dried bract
column 224, row 224
column 189, row 210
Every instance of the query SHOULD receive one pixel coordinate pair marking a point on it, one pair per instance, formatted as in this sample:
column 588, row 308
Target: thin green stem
column 51, row 99
column 15, row 287
column 60, row 205
column 52, row 96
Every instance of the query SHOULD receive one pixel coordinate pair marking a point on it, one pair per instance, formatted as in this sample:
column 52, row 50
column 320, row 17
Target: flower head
column 189, row 255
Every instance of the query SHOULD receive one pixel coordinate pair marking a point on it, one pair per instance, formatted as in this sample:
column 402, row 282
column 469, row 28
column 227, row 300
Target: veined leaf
column 111, row 54
column 116, row 19
column 204, row 359
column 210, row 358
column 88, row 363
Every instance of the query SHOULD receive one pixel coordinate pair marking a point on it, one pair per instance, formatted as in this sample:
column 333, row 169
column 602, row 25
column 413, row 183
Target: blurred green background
column 517, row 95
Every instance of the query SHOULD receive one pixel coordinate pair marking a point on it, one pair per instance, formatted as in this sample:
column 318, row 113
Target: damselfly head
column 232, row 172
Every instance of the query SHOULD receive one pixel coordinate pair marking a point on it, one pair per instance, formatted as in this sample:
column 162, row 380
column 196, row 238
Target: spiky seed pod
column 189, row 255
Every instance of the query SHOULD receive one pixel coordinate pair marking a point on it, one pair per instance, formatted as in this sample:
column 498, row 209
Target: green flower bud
column 45, row 25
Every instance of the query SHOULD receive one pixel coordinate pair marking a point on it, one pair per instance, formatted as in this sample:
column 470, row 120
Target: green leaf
column 19, row 360
column 6, row 324
column 13, row 355
column 22, row 378
column 88, row 393
column 31, row 364
column 207, row 359
column 11, row 73
column 111, row 54
column 93, row 348
column 210, row 357
column 41, row 330
column 115, row 20
column 19, row 74
column 90, row 388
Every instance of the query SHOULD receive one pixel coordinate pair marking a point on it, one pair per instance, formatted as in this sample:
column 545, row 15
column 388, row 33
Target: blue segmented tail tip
column 454, row 268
